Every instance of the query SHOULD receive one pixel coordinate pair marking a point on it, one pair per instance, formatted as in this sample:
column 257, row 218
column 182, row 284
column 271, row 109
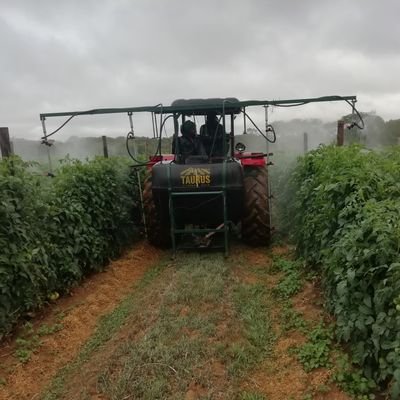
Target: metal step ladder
column 178, row 231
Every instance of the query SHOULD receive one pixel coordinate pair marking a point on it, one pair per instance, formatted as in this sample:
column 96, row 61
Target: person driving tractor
column 212, row 134
column 189, row 144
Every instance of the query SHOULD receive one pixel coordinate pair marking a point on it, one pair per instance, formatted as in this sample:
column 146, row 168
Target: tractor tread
column 256, row 229
column 158, row 232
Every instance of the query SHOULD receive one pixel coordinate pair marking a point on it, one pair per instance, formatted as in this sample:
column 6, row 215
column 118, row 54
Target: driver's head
column 188, row 129
column 212, row 118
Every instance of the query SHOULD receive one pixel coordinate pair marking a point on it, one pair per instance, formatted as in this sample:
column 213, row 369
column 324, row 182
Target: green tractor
column 209, row 184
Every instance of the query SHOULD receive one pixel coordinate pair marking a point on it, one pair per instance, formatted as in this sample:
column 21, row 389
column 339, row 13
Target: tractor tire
column 256, row 229
column 158, row 231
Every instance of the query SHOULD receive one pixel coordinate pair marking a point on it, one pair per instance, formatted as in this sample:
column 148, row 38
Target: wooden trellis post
column 105, row 148
column 305, row 142
column 5, row 144
column 340, row 133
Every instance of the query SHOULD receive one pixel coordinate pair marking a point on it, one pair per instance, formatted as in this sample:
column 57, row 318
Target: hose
column 269, row 128
column 352, row 105
column 130, row 136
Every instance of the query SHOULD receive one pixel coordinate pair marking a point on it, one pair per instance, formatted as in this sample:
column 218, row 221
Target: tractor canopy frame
column 183, row 108
column 179, row 110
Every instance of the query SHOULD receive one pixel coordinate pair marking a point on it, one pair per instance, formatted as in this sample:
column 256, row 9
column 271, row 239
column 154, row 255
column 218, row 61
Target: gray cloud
column 83, row 54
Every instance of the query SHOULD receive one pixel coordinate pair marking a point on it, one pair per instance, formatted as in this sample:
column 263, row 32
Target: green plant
column 107, row 327
column 292, row 280
column 251, row 396
column 291, row 319
column 25, row 346
column 23, row 355
column 347, row 225
column 45, row 330
column 55, row 231
column 315, row 353
column 352, row 380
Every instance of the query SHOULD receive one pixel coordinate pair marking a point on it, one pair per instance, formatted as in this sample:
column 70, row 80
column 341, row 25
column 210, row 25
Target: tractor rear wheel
column 256, row 229
column 158, row 231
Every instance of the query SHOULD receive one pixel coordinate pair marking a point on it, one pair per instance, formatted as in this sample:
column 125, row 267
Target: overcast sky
column 83, row 54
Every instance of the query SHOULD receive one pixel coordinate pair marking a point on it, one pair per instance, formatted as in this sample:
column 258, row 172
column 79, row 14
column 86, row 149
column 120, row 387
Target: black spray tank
column 201, row 206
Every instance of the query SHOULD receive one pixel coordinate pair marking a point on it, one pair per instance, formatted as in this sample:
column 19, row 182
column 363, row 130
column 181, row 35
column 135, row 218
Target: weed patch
column 252, row 310
column 292, row 281
column 29, row 339
column 291, row 319
column 315, row 353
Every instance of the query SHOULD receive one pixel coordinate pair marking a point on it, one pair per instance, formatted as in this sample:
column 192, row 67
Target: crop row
column 53, row 231
column 346, row 207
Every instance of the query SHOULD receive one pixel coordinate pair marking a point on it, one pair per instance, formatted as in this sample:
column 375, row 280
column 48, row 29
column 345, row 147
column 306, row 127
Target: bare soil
column 282, row 377
column 278, row 377
column 81, row 310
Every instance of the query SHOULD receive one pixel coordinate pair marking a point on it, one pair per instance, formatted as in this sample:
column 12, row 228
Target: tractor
column 208, row 185
column 204, row 195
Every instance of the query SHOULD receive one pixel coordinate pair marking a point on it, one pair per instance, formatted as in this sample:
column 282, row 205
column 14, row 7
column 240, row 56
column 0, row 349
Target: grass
column 320, row 349
column 106, row 328
column 178, row 347
column 251, row 306
column 199, row 326
column 316, row 351
column 200, row 329
column 252, row 396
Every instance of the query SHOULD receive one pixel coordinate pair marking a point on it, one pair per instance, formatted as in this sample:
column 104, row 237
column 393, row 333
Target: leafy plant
column 291, row 319
column 352, row 380
column 292, row 281
column 45, row 329
column 315, row 353
column 54, row 231
column 347, row 225
column 26, row 346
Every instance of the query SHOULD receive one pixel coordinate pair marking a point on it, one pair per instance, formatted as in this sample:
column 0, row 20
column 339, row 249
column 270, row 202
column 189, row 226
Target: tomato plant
column 346, row 210
column 53, row 231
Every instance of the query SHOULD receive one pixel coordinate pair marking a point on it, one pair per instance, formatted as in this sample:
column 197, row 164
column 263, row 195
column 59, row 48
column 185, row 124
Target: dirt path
column 202, row 327
column 75, row 318
column 281, row 376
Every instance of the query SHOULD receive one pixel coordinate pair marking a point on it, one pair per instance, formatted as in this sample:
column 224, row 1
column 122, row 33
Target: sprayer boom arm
column 193, row 107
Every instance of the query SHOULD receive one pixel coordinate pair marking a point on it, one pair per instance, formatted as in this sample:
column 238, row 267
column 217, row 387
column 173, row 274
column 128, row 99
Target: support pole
column 5, row 143
column 46, row 143
column 340, row 133
column 135, row 154
column 232, row 136
column 269, row 188
column 244, row 121
column 105, row 148
column 266, row 125
column 305, row 142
